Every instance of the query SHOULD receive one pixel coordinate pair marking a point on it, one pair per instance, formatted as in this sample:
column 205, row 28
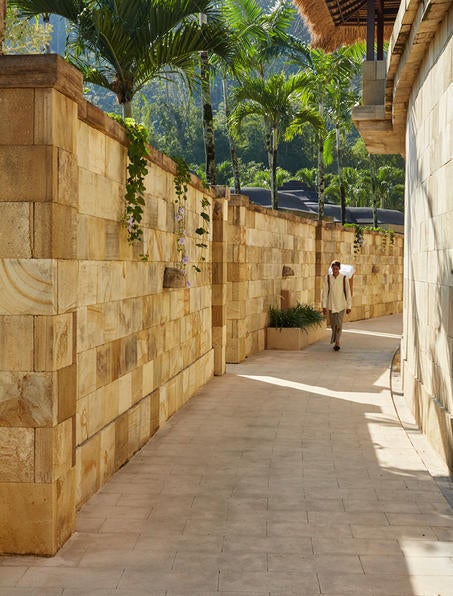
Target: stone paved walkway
column 291, row 474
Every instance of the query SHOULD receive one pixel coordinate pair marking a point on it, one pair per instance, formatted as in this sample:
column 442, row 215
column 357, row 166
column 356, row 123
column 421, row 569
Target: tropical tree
column 327, row 76
column 277, row 101
column 123, row 44
column 342, row 96
column 207, row 115
column 390, row 187
column 25, row 36
column 307, row 176
column 255, row 35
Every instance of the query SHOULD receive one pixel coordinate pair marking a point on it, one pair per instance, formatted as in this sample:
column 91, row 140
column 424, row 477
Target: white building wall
column 427, row 347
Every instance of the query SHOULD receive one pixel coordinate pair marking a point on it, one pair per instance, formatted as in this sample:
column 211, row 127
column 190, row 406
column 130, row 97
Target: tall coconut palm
column 277, row 101
column 134, row 41
column 255, row 34
column 325, row 74
column 341, row 99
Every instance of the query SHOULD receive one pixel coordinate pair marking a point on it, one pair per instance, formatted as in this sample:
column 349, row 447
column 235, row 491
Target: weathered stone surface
column 26, row 173
column 54, row 452
column 16, row 233
column 36, row 518
column 27, row 286
column 53, row 342
column 174, row 278
column 14, row 131
column 17, row 454
column 16, row 343
column 27, row 399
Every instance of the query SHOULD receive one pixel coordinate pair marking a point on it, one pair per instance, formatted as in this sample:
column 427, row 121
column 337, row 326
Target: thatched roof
column 333, row 23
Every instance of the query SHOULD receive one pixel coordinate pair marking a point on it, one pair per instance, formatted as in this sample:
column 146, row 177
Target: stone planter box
column 293, row 338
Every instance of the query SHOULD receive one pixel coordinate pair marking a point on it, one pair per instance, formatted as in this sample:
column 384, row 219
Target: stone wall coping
column 52, row 71
column 244, row 201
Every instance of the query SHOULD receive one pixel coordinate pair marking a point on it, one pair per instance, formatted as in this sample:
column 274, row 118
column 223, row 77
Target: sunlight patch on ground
column 372, row 333
column 383, row 380
column 345, row 395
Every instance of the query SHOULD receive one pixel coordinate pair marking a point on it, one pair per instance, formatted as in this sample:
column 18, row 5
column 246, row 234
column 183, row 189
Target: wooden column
column 370, row 30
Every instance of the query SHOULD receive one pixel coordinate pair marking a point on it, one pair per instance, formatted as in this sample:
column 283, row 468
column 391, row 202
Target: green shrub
column 301, row 315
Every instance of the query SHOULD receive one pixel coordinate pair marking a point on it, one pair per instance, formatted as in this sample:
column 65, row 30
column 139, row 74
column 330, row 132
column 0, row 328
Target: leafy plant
column 358, row 240
column 203, row 230
column 301, row 315
column 134, row 41
column 137, row 168
column 181, row 182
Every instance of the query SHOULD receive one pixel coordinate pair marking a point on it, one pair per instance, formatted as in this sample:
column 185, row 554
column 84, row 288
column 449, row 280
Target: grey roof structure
column 293, row 196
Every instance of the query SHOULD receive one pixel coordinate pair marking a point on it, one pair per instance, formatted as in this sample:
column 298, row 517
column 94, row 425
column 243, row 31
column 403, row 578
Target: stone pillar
column 219, row 283
column 38, row 290
column 320, row 270
column 237, row 295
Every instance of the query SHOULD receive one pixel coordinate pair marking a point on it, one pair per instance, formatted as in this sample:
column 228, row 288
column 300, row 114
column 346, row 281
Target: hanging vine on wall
column 358, row 239
column 203, row 230
column 137, row 168
column 181, row 182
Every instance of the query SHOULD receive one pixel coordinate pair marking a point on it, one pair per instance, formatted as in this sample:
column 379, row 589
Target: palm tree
column 326, row 75
column 134, row 41
column 277, row 101
column 255, row 36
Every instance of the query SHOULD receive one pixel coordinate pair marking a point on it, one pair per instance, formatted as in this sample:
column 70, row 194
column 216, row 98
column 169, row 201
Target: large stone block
column 68, row 181
column 27, row 399
column 16, row 230
column 67, row 392
column 36, row 518
column 88, row 467
column 54, row 452
column 27, row 286
column 86, row 372
column 13, row 130
column 55, row 119
column 91, row 149
column 16, row 343
column 53, row 342
column 27, row 173
column 67, row 284
column 55, row 231
column 17, row 454
column 107, row 453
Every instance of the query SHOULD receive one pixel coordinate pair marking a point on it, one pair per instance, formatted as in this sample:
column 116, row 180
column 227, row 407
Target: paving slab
column 294, row 473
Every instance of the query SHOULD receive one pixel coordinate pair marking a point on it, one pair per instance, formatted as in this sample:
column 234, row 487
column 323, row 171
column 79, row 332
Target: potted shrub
column 294, row 328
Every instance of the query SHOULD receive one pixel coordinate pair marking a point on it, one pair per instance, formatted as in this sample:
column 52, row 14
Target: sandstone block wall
column 100, row 343
column 427, row 346
column 278, row 259
column 95, row 353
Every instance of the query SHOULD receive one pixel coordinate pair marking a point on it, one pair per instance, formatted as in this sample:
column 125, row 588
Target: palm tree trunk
column 208, row 121
column 232, row 144
column 373, row 191
column 126, row 109
column 340, row 175
column 273, row 167
column 321, row 177
column 321, row 169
